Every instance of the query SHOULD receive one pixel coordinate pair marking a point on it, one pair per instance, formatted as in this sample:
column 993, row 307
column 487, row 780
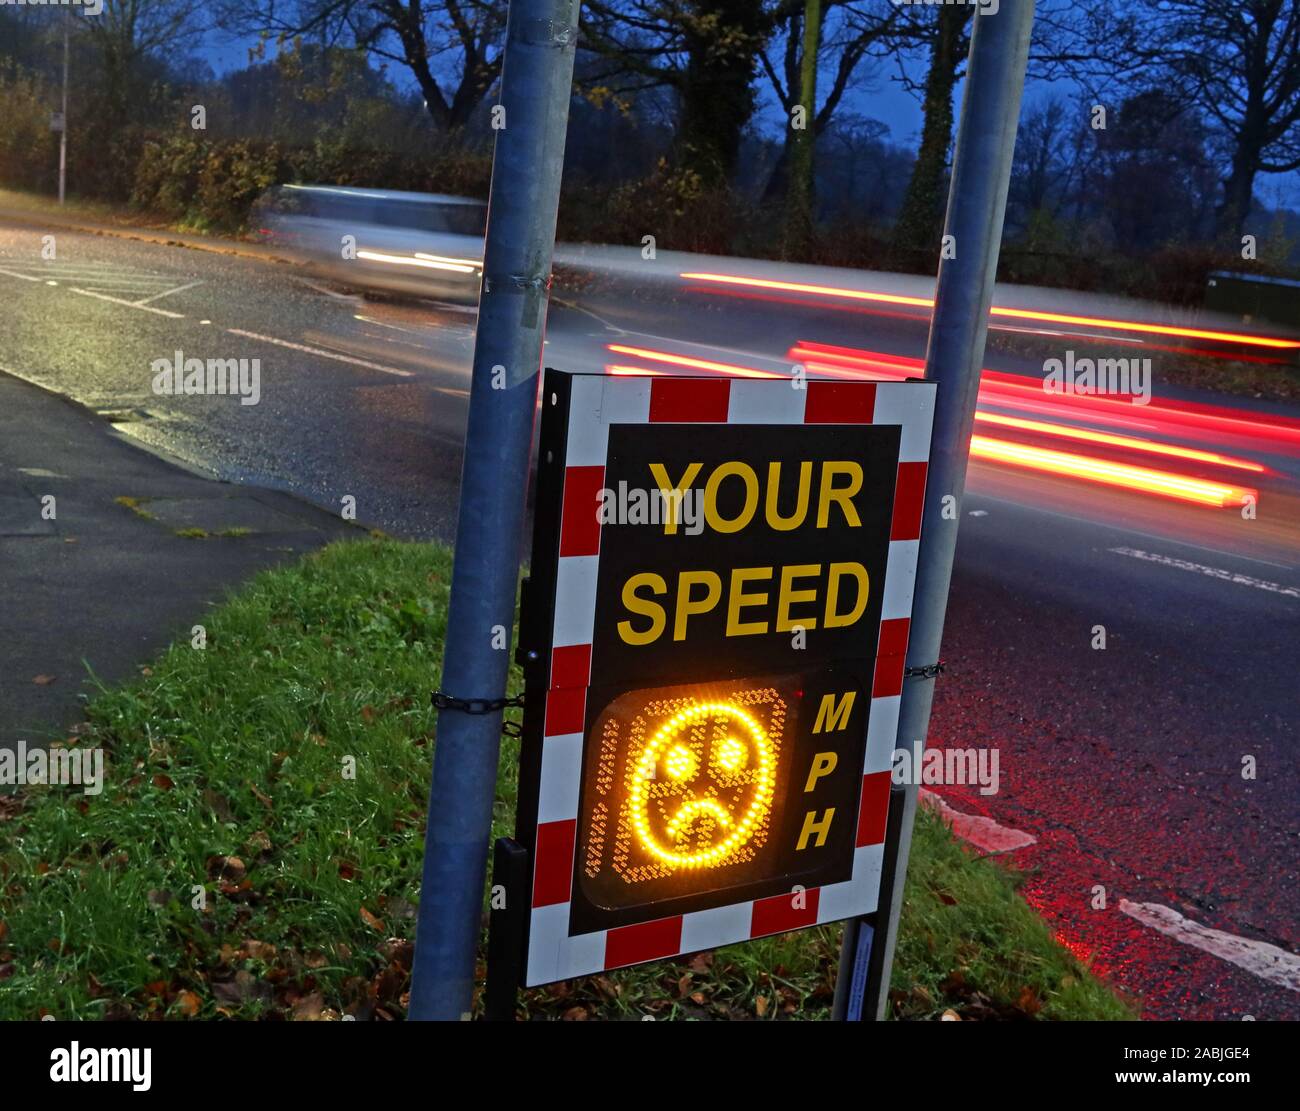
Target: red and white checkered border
column 596, row 402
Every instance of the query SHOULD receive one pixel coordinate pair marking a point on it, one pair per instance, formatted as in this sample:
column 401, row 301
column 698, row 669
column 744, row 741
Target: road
column 1124, row 764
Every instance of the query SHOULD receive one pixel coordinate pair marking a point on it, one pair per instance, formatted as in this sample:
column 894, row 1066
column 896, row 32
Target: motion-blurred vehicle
column 423, row 244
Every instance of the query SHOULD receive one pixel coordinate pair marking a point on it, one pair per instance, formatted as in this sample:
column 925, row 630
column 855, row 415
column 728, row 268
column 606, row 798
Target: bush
column 234, row 175
column 167, row 176
column 28, row 148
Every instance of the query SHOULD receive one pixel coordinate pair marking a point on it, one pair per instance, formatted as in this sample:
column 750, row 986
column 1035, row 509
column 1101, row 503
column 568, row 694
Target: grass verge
column 256, row 850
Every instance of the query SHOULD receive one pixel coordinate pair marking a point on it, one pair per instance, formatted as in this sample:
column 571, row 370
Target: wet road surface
column 1124, row 763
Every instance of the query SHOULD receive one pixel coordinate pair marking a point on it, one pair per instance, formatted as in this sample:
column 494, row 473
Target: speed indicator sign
column 713, row 633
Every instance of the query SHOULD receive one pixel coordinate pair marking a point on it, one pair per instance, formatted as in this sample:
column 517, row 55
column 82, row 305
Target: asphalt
column 1124, row 765
column 92, row 587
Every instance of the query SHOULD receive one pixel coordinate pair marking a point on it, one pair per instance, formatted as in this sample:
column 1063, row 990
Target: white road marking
column 329, row 292
column 168, row 293
column 1213, row 572
column 320, row 353
column 128, row 304
column 984, row 833
column 24, row 277
column 1259, row 958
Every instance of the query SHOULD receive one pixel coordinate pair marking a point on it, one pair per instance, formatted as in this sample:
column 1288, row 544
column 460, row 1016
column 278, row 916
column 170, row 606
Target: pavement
column 96, row 587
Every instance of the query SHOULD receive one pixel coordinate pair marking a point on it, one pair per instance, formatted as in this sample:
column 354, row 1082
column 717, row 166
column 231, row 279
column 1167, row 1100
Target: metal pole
column 63, row 135
column 536, row 83
column 977, row 200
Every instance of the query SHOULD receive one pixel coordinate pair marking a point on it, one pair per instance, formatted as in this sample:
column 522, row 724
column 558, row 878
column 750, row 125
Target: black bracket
column 507, row 930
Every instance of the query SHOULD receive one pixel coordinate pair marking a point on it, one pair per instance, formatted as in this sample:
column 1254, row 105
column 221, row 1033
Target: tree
column 1154, row 170
column 1038, row 170
column 129, row 35
column 919, row 221
column 1239, row 62
column 817, row 35
column 462, row 38
column 705, row 51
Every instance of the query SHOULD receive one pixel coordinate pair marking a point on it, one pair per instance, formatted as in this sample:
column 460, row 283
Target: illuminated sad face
column 702, row 787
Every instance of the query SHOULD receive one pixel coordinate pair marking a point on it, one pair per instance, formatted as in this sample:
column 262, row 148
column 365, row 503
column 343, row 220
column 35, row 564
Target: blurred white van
column 425, row 244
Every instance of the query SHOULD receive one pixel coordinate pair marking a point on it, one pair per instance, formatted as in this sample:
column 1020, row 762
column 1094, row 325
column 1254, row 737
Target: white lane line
column 1213, row 572
column 984, row 833
column 167, row 293
column 1266, row 961
column 128, row 304
column 320, row 353
column 329, row 292
column 24, row 277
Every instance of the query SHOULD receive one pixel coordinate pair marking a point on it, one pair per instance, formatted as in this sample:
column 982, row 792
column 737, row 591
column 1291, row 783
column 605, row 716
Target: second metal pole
column 536, row 84
column 977, row 201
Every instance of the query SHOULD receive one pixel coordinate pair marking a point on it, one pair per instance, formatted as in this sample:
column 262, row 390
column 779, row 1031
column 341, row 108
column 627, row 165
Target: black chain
column 443, row 701
column 929, row 671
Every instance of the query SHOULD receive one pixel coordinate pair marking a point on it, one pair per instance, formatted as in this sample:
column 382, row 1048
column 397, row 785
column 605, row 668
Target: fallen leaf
column 309, row 1008
column 260, row 950
column 43, row 680
column 188, row 1004
column 229, row 868
column 760, row 1005
column 575, row 1014
column 1028, row 1001
column 950, row 1016
column 260, row 842
column 373, row 922
column 163, row 782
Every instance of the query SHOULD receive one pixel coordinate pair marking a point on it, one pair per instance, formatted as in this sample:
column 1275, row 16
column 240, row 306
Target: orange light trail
column 693, row 364
column 1142, row 479
column 1021, row 314
column 1131, row 442
column 1064, row 464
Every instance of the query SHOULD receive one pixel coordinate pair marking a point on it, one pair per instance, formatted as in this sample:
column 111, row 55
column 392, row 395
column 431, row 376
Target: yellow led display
column 744, row 785
column 689, row 820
